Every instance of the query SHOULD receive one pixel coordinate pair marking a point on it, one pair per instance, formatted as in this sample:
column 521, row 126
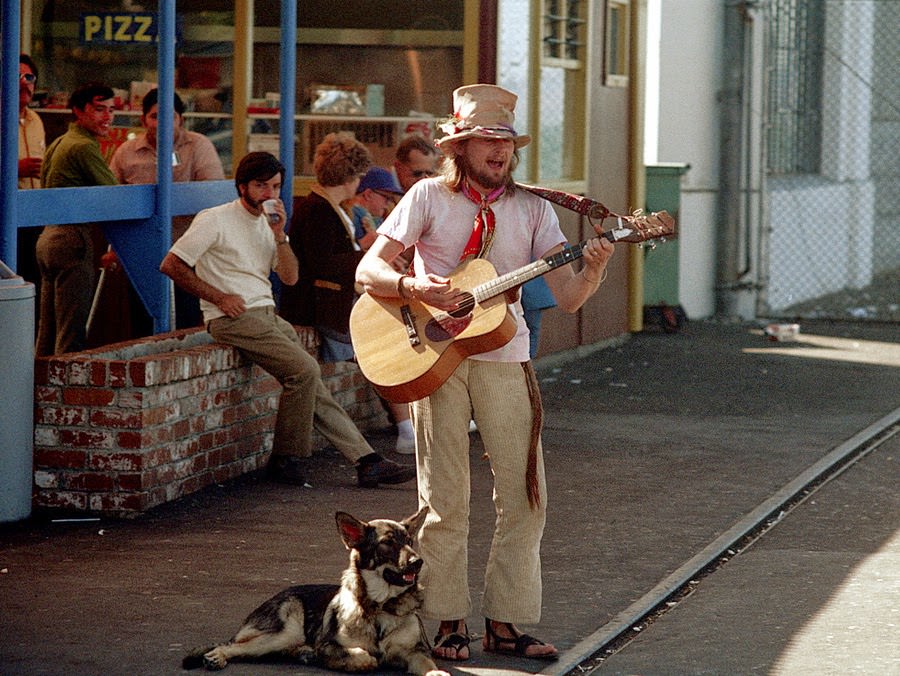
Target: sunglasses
column 28, row 77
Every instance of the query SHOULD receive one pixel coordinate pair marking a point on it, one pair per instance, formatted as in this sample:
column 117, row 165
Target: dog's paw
column 359, row 660
column 437, row 672
column 215, row 660
column 304, row 655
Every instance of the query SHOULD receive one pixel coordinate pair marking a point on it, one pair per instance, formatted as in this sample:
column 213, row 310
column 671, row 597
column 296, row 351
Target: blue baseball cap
column 379, row 179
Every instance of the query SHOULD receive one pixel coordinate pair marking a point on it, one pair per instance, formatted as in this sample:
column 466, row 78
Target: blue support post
column 9, row 136
column 288, row 85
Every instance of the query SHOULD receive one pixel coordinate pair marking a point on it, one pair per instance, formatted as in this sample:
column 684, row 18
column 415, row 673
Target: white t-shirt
column 439, row 222
column 232, row 250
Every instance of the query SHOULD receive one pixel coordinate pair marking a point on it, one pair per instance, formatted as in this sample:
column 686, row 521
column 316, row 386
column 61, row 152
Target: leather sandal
column 454, row 641
column 518, row 646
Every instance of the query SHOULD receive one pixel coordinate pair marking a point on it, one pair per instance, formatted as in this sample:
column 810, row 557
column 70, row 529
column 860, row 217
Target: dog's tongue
column 409, row 578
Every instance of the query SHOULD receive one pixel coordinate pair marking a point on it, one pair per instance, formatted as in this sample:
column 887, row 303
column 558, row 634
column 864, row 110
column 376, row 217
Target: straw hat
column 482, row 111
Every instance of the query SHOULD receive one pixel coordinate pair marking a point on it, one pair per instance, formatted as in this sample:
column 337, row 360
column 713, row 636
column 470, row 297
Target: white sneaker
column 405, row 445
column 472, row 426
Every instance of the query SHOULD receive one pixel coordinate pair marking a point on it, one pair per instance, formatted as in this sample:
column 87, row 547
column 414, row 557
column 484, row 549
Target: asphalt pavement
column 657, row 447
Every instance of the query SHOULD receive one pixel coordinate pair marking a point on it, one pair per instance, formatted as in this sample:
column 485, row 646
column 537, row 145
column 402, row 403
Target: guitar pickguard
column 445, row 327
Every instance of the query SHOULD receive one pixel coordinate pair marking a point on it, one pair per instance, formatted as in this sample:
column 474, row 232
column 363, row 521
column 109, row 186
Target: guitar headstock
column 644, row 227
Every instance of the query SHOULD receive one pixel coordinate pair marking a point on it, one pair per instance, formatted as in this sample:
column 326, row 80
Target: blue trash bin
column 17, row 411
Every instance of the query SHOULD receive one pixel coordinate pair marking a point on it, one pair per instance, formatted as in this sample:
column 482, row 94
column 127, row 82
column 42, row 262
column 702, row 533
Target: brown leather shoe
column 384, row 472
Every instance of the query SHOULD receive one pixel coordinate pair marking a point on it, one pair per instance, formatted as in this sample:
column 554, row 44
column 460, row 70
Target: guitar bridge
column 409, row 322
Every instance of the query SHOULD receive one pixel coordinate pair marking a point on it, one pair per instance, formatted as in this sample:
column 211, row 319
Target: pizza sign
column 119, row 28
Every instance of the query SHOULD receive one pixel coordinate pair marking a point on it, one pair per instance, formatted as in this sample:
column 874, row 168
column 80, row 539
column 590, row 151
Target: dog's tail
column 194, row 659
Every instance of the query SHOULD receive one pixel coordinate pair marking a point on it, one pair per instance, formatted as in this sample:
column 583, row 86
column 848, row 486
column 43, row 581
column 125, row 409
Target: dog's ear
column 352, row 530
column 414, row 523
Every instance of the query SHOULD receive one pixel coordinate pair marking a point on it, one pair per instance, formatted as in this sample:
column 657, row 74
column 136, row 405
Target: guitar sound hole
column 465, row 307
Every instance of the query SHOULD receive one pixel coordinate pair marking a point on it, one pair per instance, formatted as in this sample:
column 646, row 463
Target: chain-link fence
column 832, row 158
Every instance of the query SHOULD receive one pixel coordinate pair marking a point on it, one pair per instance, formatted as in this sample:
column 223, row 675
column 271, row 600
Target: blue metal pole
column 288, row 86
column 165, row 143
column 9, row 131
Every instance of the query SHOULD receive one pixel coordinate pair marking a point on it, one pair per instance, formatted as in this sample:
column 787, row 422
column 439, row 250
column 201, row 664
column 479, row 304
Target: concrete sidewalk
column 653, row 449
column 819, row 593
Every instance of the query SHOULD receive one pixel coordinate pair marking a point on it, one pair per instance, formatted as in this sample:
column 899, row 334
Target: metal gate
column 831, row 143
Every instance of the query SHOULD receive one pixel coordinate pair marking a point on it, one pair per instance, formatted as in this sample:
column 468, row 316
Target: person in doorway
column 194, row 158
column 324, row 241
column 32, row 144
column 376, row 195
column 415, row 159
column 449, row 219
column 32, row 137
column 226, row 258
column 65, row 253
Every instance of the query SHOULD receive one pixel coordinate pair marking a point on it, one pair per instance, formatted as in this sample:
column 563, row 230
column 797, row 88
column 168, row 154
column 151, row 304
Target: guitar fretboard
column 510, row 280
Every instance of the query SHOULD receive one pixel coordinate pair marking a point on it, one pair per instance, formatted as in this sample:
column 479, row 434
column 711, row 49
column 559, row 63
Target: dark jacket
column 324, row 295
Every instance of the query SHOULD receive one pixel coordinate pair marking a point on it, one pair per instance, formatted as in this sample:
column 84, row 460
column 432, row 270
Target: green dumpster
column 661, row 301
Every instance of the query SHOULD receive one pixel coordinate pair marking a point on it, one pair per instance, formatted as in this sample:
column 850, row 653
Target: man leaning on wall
column 65, row 253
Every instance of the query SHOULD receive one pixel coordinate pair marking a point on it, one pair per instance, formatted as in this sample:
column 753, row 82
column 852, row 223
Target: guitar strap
column 577, row 203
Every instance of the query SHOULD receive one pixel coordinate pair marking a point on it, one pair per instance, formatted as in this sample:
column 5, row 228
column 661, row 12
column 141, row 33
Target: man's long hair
column 454, row 169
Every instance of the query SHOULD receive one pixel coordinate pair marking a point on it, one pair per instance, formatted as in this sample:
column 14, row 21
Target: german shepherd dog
column 368, row 621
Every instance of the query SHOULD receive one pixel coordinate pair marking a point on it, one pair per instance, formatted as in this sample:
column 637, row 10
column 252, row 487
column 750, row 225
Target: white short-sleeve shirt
column 232, row 250
column 439, row 222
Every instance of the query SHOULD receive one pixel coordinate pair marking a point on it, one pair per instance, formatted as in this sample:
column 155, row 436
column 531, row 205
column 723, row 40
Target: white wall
column 689, row 57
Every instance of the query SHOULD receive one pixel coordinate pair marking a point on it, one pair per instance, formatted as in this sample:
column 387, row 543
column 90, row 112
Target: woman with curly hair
column 322, row 236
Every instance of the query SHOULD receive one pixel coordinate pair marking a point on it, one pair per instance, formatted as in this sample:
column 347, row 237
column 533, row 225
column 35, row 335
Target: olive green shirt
column 74, row 159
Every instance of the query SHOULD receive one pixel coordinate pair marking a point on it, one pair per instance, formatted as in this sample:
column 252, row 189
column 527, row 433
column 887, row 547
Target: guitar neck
column 540, row 267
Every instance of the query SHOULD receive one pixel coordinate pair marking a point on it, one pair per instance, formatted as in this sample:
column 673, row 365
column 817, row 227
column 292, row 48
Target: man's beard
column 482, row 179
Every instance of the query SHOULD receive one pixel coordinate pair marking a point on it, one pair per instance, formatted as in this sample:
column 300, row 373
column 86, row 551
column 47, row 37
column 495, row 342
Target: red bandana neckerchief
column 483, row 230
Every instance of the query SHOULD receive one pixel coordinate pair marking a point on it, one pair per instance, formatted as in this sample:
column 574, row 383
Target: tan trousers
column 497, row 393
column 65, row 256
column 269, row 341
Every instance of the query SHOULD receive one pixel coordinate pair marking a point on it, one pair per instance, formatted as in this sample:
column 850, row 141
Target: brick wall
column 128, row 426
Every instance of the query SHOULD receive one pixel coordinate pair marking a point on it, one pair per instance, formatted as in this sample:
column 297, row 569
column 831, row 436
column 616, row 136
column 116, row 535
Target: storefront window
column 409, row 50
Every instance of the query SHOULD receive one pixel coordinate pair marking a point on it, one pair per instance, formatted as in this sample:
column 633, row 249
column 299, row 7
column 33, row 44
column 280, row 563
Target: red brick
column 117, row 462
column 59, row 458
column 130, row 482
column 127, row 504
column 84, row 438
column 87, row 396
column 137, row 372
column 60, row 415
column 89, row 481
column 55, row 371
column 115, row 418
column 61, row 500
column 118, row 374
column 129, row 439
column 47, row 395
column 99, row 371
column 78, row 371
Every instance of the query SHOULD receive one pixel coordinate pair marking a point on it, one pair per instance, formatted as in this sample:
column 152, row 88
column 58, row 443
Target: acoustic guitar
column 408, row 349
